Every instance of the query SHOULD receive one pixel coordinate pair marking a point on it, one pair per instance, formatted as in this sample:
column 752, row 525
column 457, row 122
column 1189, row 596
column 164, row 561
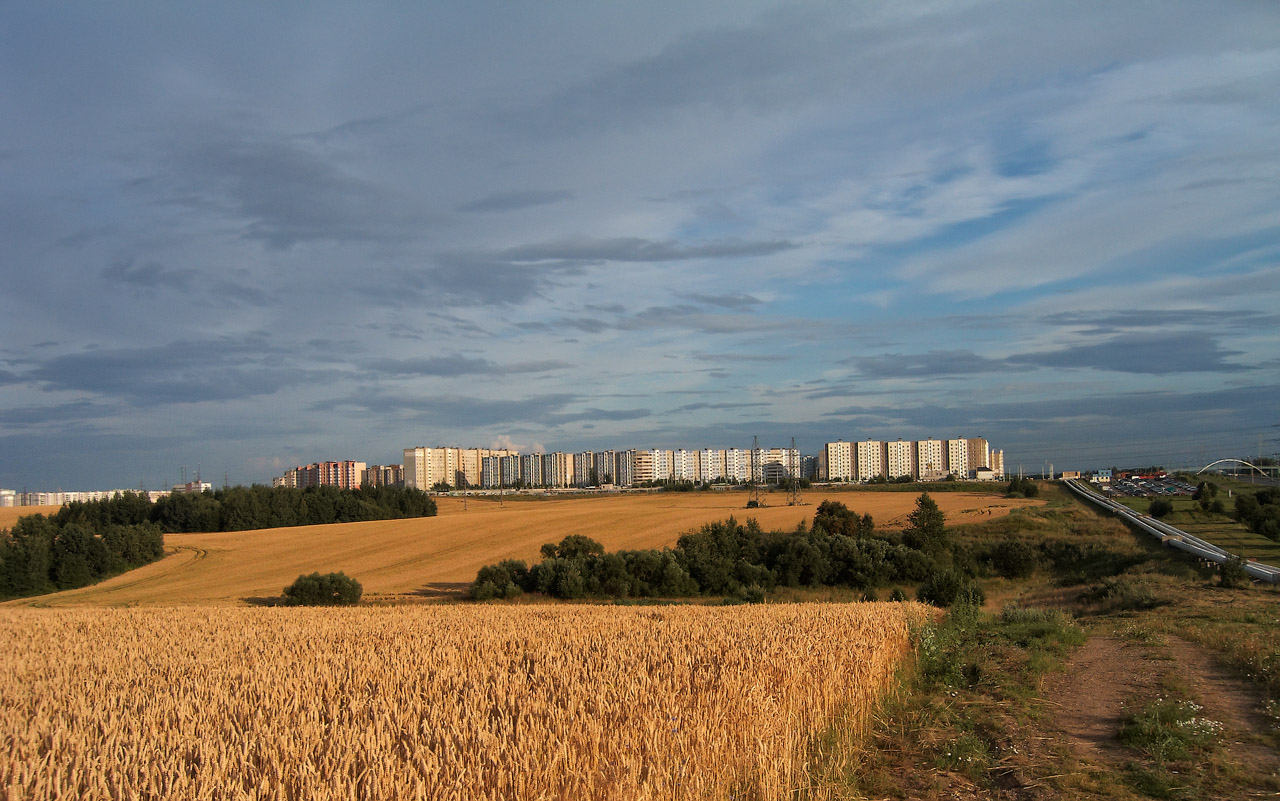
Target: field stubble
column 433, row 702
column 396, row 559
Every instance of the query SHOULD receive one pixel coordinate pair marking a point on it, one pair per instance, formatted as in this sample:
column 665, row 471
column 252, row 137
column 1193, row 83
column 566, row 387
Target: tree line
column 43, row 554
column 1260, row 511
column 87, row 541
column 247, row 508
column 741, row 560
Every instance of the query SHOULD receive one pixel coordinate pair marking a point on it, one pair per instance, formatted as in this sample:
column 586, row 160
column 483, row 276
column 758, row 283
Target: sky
column 241, row 237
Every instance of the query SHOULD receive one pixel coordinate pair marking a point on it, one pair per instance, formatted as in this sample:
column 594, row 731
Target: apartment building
column 836, row 462
column 900, row 459
column 930, row 459
column 870, row 458
column 383, row 475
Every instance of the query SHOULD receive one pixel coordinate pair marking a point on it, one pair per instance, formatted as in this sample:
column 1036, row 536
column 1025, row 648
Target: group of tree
column 87, row 541
column 1206, row 495
column 246, row 508
column 43, row 554
column 733, row 559
column 1022, row 488
column 1260, row 511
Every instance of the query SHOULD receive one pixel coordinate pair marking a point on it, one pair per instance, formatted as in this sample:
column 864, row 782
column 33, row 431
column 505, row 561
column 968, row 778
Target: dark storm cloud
column 148, row 275
column 1145, row 354
column 179, row 372
column 634, row 249
column 515, row 201
column 598, row 415
column 61, row 414
column 1150, row 354
column 454, row 366
column 693, row 407
column 284, row 193
column 740, row 357
column 934, row 364
column 1111, row 322
column 451, row 412
column 735, row 301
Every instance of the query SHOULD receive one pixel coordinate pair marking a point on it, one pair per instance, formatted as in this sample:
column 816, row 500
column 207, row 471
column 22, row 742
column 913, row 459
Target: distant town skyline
column 249, row 238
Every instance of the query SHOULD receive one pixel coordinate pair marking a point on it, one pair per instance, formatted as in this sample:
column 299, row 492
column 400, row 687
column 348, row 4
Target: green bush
column 947, row 587
column 331, row 589
column 1014, row 558
column 1233, row 574
column 1160, row 507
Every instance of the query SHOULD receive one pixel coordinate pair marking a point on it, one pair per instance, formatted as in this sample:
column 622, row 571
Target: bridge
column 1266, row 470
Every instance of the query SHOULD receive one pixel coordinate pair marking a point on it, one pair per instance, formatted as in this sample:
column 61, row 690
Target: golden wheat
column 566, row 702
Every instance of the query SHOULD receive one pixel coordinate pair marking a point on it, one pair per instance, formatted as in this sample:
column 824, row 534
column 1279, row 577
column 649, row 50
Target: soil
column 1086, row 703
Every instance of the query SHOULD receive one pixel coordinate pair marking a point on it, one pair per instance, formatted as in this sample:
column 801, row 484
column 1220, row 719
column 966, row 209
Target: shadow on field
column 269, row 600
column 442, row 589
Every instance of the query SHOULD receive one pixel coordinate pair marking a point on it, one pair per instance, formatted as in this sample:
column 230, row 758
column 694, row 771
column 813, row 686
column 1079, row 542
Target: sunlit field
column 421, row 558
column 434, row 702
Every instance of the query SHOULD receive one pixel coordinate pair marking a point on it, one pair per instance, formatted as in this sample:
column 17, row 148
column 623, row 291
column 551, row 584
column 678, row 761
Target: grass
column 1220, row 529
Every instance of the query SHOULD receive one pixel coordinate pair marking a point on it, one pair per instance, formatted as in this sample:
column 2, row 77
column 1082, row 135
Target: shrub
column 947, row 587
column 331, row 589
column 1014, row 559
column 1232, row 573
column 1160, row 507
column 1121, row 593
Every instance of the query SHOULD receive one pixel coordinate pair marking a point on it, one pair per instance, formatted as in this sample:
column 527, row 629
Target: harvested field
column 453, row 702
column 10, row 514
column 420, row 558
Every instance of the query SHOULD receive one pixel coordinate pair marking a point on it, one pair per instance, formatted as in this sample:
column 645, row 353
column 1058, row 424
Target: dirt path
column 1088, row 699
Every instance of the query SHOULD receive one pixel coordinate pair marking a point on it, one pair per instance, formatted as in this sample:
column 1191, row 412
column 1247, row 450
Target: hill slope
column 426, row 556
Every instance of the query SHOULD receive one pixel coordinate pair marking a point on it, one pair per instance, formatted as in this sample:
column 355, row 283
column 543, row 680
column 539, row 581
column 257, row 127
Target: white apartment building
column 737, row 465
column 684, row 466
column 900, row 459
column 836, row 462
column 930, row 459
column 711, row 464
column 870, row 456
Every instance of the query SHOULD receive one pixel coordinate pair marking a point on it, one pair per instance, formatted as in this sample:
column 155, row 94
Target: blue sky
column 251, row 237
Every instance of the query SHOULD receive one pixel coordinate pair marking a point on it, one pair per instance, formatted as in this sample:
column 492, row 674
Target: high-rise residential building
column 957, row 458
column 685, row 466
column 899, row 459
column 870, row 457
column 737, row 465
column 979, row 453
column 383, row 475
column 711, row 464
column 930, row 459
column 531, row 469
column 836, row 463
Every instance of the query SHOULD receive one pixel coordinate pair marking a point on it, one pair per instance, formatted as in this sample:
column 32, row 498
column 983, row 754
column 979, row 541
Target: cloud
column 515, row 201
column 934, row 364
column 149, row 275
column 732, row 301
column 1150, row 354
column 186, row 371
column 455, row 365
column 284, row 192
column 635, row 249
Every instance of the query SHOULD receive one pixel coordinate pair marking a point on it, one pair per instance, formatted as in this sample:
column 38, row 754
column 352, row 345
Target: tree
column 331, row 589
column 928, row 526
column 1160, row 507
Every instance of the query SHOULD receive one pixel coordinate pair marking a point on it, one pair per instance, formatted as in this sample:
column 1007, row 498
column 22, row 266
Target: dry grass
column 401, row 558
column 496, row 702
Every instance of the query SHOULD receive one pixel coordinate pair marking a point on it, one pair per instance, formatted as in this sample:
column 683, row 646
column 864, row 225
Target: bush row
column 734, row 559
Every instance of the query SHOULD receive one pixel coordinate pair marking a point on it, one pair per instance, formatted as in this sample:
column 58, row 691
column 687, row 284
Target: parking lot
column 1149, row 487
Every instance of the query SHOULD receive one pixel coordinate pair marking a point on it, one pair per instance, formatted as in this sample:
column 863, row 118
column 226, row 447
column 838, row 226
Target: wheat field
column 434, row 702
column 407, row 559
